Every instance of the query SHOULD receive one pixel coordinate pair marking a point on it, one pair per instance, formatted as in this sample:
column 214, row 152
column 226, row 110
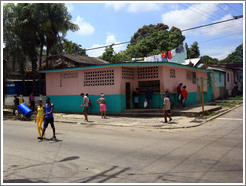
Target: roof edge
column 124, row 64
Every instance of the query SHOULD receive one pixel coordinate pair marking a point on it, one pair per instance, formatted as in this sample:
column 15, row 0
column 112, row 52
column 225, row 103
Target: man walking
column 48, row 118
column 86, row 106
column 166, row 108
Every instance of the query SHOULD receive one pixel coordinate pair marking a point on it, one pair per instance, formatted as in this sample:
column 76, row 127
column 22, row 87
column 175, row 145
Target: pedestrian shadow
column 69, row 158
column 172, row 122
column 52, row 140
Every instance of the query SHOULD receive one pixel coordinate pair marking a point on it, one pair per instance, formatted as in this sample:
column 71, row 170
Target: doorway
column 128, row 95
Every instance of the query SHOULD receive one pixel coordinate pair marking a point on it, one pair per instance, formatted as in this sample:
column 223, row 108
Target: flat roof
column 132, row 64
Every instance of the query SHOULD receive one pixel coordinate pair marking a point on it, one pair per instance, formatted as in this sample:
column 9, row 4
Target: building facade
column 118, row 81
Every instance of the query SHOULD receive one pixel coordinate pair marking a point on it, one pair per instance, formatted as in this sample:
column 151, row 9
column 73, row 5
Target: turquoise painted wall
column 71, row 103
column 117, row 103
column 217, row 81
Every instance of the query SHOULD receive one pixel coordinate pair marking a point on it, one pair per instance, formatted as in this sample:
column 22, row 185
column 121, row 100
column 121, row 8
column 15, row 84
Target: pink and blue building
column 118, row 81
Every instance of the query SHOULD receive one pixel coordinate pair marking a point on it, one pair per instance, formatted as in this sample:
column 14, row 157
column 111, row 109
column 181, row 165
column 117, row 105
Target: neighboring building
column 234, row 76
column 218, row 82
column 118, row 81
column 15, row 84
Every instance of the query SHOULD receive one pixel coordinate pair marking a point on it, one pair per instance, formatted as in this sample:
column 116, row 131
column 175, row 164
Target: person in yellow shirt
column 40, row 117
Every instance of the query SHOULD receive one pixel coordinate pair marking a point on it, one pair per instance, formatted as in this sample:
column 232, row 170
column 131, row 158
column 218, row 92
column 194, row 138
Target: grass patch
column 237, row 98
column 227, row 105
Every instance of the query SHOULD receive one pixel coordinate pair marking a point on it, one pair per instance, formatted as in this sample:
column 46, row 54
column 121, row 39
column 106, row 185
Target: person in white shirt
column 86, row 106
column 166, row 108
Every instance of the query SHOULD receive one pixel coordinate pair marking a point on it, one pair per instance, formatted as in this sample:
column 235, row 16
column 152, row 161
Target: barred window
column 99, row 78
column 127, row 73
column 147, row 72
column 172, row 73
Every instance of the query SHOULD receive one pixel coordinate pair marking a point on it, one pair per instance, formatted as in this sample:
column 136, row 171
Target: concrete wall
column 64, row 87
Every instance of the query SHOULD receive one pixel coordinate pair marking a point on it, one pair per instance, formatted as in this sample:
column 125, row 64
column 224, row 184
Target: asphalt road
column 210, row 153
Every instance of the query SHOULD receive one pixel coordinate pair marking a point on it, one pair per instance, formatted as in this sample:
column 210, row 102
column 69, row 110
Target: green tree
column 108, row 54
column 70, row 47
column 154, row 39
column 209, row 60
column 234, row 57
column 37, row 25
column 194, row 51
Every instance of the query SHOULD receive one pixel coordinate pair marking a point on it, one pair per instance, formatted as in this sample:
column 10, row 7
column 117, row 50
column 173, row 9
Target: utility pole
column 202, row 96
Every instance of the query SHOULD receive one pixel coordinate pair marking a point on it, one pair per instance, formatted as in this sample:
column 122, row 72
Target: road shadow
column 23, row 181
column 106, row 175
column 69, row 158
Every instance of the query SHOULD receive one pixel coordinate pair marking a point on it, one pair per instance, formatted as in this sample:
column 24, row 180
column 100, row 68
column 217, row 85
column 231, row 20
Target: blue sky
column 113, row 22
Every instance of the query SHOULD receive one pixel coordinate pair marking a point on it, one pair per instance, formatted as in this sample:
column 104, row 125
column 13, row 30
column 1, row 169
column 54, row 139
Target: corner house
column 118, row 81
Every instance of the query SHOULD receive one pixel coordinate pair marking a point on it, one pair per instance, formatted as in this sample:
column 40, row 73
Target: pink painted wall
column 75, row 85
column 230, row 83
column 58, row 83
column 180, row 77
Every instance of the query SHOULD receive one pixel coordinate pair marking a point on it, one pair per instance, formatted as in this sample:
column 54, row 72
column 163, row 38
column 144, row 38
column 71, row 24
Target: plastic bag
column 145, row 103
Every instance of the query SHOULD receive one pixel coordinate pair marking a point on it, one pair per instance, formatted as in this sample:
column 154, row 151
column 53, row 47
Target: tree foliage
column 154, row 39
column 193, row 51
column 148, row 40
column 234, row 57
column 209, row 60
column 70, row 47
column 28, row 27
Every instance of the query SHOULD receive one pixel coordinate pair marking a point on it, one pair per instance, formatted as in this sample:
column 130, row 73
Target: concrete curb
column 207, row 120
column 163, row 127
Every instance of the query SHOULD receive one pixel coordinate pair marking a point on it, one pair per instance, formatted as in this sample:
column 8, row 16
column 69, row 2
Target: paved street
column 210, row 153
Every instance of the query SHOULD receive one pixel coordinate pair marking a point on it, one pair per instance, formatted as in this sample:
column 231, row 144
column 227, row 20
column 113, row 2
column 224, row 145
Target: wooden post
column 202, row 96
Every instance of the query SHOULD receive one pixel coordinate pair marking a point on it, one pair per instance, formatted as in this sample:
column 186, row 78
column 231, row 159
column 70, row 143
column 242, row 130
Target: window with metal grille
column 99, row 78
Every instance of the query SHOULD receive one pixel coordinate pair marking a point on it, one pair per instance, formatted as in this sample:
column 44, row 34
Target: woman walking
column 103, row 105
column 40, row 117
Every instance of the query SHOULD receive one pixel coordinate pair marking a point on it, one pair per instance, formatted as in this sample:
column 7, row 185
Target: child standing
column 184, row 96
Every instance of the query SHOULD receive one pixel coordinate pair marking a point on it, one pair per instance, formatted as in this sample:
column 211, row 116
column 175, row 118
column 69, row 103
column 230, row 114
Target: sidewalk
column 123, row 121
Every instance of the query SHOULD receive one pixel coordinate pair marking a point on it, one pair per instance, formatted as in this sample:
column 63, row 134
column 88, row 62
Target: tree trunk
column 47, row 56
column 39, row 75
column 34, row 67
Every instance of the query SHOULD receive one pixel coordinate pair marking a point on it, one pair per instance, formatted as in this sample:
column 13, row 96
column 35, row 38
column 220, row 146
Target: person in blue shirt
column 148, row 94
column 49, row 118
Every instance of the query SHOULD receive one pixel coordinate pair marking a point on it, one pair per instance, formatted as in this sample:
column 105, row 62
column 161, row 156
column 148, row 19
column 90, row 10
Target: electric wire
column 233, row 8
column 223, row 9
column 208, row 13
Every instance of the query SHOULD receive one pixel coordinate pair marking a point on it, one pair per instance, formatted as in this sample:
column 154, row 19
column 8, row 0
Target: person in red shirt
column 184, row 94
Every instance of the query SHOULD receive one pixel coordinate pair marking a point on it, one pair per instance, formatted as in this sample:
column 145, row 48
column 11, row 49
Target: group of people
column 45, row 117
column 167, row 101
column 87, row 103
column 182, row 95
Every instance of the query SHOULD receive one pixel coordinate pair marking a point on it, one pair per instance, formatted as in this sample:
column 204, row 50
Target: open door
column 128, row 95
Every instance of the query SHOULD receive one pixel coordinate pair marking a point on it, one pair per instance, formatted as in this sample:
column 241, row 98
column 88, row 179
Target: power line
column 220, row 37
column 233, row 8
column 234, row 18
column 196, row 11
column 223, row 9
column 107, row 45
column 232, row 24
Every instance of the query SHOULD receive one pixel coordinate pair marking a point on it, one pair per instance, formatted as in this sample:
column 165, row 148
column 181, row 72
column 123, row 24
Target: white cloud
column 85, row 28
column 134, row 7
column 189, row 17
column 143, row 7
column 109, row 40
column 234, row 26
column 69, row 7
column 116, row 6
